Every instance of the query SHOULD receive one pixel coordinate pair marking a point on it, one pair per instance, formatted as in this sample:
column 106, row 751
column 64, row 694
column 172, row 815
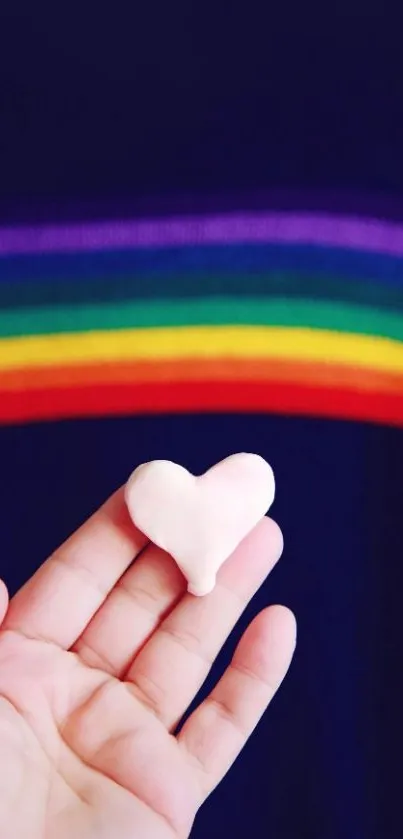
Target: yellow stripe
column 201, row 342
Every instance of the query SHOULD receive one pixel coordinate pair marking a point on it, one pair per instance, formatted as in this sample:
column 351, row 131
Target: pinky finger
column 216, row 732
column 3, row 601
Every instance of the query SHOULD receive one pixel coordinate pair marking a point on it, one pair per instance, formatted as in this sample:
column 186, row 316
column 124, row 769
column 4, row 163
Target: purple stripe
column 355, row 233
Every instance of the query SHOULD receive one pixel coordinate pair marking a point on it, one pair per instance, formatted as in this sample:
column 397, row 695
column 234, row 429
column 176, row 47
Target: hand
column 99, row 659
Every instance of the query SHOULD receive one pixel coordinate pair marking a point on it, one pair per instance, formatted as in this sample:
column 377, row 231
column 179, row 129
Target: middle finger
column 172, row 666
column 131, row 612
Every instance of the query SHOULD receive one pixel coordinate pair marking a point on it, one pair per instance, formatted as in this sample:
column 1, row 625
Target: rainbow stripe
column 291, row 313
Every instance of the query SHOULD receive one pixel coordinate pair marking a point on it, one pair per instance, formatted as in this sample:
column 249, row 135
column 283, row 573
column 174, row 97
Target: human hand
column 99, row 659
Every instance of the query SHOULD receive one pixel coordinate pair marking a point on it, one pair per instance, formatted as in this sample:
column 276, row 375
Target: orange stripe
column 314, row 374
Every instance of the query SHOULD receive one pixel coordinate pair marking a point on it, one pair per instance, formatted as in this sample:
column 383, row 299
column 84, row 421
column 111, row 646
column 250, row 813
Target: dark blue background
column 110, row 107
column 109, row 100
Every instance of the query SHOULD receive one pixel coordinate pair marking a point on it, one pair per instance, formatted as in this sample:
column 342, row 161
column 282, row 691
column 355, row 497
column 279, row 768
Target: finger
column 131, row 612
column 135, row 608
column 217, row 731
column 60, row 599
column 3, row 601
column 173, row 665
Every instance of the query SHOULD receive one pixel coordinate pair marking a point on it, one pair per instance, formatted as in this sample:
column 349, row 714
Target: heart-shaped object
column 200, row 520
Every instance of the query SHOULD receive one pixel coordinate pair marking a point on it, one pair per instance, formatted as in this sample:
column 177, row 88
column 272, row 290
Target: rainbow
column 295, row 313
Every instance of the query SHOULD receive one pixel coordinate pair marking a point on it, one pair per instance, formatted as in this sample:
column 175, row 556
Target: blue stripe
column 234, row 259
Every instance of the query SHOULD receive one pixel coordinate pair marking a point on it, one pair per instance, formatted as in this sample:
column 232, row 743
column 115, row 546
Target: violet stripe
column 349, row 232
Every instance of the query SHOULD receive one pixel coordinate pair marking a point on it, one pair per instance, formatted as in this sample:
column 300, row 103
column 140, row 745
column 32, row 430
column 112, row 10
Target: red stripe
column 178, row 397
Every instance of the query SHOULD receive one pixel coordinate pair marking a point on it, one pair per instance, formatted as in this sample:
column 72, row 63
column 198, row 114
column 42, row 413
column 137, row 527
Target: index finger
column 58, row 602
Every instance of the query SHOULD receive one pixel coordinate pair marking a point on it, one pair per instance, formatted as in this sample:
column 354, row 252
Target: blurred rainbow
column 294, row 313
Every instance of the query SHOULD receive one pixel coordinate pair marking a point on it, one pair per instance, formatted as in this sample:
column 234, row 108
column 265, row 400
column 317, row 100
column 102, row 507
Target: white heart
column 200, row 520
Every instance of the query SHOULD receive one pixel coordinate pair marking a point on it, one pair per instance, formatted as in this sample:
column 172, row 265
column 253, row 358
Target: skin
column 101, row 656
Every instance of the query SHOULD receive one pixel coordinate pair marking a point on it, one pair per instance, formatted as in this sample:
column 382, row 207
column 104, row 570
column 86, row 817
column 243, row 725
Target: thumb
column 3, row 601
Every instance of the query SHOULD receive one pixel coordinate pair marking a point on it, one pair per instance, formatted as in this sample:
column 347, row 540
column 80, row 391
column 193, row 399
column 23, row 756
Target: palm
column 99, row 659
column 54, row 704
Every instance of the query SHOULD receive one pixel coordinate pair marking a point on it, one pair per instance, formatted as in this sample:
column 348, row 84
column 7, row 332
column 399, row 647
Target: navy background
column 108, row 108
column 106, row 100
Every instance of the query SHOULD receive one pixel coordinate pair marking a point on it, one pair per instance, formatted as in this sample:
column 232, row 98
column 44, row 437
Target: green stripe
column 207, row 311
column 58, row 293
